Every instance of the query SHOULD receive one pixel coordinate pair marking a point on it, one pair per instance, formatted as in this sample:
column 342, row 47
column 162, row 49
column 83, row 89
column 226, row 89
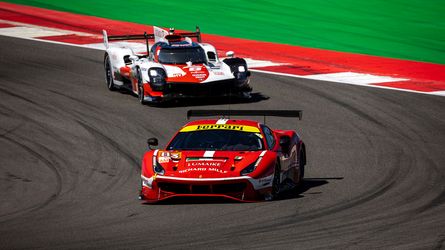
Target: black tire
column 276, row 181
column 302, row 162
column 108, row 73
column 141, row 95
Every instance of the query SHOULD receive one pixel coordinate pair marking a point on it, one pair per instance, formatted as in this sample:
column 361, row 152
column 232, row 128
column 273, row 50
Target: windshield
column 182, row 55
column 217, row 140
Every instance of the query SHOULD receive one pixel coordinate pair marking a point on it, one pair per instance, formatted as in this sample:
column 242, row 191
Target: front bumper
column 241, row 188
column 177, row 90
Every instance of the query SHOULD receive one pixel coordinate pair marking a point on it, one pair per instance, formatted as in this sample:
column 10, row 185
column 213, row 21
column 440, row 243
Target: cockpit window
column 182, row 55
column 229, row 140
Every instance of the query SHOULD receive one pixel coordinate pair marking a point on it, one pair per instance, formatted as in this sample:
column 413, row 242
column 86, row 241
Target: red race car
column 242, row 160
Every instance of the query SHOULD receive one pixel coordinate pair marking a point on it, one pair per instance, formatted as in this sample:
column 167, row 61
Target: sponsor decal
column 198, row 72
column 175, row 156
column 163, row 159
column 163, row 156
column 194, row 68
column 221, row 127
column 199, row 76
column 204, row 165
column 217, row 170
column 265, row 180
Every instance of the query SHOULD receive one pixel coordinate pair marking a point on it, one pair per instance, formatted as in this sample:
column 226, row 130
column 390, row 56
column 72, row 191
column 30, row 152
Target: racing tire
column 108, row 73
column 140, row 196
column 276, row 182
column 301, row 175
column 141, row 95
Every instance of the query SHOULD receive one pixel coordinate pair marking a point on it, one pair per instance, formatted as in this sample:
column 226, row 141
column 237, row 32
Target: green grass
column 409, row 29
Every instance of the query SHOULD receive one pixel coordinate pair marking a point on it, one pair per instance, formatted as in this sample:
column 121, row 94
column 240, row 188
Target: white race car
column 173, row 67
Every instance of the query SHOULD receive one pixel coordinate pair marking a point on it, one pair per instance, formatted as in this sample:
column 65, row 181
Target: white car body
column 166, row 74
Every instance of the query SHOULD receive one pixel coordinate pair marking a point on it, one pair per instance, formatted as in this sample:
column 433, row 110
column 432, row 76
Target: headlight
column 158, row 168
column 249, row 169
column 153, row 72
column 157, row 78
column 241, row 74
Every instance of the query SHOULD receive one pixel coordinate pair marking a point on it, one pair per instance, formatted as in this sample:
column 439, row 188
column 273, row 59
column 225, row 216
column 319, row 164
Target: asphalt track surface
column 70, row 152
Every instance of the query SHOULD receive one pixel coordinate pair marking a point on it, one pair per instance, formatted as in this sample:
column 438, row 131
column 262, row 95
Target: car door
column 271, row 141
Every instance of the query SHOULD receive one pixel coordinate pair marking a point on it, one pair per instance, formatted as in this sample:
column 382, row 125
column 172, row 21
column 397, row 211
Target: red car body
column 272, row 161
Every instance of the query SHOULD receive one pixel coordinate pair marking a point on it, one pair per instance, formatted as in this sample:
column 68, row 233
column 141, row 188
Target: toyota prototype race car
column 173, row 67
column 242, row 160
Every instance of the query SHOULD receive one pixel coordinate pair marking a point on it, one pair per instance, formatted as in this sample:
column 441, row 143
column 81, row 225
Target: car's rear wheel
column 108, row 73
column 276, row 181
column 302, row 162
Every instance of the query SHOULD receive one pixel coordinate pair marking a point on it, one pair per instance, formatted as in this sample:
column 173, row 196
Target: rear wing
column 144, row 36
column 229, row 113
column 157, row 35
column 196, row 34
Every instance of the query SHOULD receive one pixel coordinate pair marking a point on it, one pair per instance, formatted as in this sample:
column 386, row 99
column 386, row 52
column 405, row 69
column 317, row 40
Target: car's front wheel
column 141, row 94
column 108, row 73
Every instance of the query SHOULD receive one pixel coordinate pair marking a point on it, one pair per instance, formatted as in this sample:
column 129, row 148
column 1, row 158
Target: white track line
column 437, row 93
column 29, row 32
column 354, row 78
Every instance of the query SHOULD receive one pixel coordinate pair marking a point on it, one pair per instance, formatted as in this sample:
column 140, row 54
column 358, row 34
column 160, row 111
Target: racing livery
column 242, row 160
column 174, row 66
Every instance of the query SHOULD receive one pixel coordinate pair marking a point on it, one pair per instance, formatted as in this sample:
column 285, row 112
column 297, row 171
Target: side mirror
column 152, row 142
column 285, row 141
column 230, row 54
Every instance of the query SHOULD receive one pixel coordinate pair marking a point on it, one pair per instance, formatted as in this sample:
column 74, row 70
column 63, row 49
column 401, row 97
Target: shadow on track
column 200, row 101
column 307, row 184
column 194, row 201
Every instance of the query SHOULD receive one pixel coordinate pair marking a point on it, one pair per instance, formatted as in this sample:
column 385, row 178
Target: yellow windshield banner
column 236, row 127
